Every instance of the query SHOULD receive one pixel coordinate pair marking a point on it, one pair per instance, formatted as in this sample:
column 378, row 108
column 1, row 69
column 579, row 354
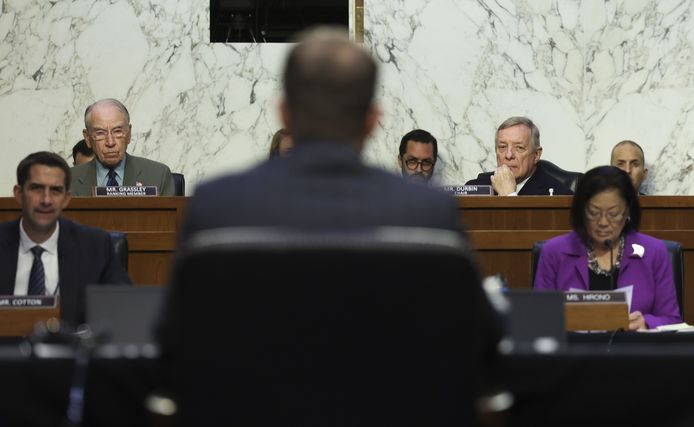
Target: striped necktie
column 112, row 178
column 37, row 277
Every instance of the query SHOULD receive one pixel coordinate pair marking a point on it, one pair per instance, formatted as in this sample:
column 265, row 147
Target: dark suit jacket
column 320, row 186
column 85, row 256
column 137, row 169
column 538, row 184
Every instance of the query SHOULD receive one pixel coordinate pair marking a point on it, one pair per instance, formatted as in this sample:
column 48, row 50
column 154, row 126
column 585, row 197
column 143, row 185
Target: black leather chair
column 120, row 247
column 568, row 178
column 278, row 327
column 676, row 257
column 179, row 184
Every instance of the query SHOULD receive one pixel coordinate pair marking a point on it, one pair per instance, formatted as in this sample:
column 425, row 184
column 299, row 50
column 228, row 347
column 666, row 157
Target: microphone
column 608, row 244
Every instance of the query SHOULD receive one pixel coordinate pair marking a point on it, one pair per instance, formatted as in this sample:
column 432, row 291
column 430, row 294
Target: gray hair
column 520, row 120
column 106, row 101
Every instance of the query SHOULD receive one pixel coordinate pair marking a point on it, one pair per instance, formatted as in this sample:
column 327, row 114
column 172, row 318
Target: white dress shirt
column 25, row 259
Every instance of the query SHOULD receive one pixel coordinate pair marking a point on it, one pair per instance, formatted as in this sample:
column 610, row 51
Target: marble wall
column 589, row 72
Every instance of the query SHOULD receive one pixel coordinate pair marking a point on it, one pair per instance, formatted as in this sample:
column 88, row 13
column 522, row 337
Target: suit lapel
column 89, row 178
column 132, row 170
column 534, row 186
column 9, row 248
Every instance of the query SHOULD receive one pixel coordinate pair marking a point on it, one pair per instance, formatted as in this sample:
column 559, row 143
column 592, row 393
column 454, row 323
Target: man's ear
column 85, row 135
column 68, row 197
column 371, row 121
column 538, row 154
column 17, row 190
column 285, row 116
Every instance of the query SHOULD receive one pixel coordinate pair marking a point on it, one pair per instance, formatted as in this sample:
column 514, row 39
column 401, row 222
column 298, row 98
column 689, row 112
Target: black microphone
column 608, row 244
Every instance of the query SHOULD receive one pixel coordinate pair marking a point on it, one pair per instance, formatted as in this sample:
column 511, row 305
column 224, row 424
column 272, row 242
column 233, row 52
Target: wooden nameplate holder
column 596, row 311
column 20, row 314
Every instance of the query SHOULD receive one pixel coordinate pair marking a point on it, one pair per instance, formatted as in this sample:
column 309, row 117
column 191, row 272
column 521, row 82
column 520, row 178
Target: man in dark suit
column 43, row 254
column 323, row 186
column 107, row 132
column 518, row 173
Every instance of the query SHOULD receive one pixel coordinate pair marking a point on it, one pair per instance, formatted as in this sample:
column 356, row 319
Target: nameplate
column 595, row 297
column 469, row 190
column 126, row 191
column 27, row 302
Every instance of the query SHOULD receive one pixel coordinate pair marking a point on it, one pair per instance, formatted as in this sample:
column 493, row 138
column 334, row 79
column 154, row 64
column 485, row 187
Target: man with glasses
column 518, row 152
column 417, row 157
column 107, row 132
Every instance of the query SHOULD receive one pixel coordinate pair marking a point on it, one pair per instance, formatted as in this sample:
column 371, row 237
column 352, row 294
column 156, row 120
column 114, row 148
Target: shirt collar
column 50, row 245
column 102, row 172
column 520, row 185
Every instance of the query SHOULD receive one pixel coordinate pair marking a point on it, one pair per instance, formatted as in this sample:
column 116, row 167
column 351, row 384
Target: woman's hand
column 636, row 321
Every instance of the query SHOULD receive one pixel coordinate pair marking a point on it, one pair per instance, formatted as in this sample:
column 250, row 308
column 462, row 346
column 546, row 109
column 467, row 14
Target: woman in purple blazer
column 605, row 216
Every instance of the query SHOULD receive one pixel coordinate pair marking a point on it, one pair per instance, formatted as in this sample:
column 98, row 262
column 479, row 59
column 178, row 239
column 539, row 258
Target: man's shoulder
column 8, row 228
column 145, row 163
column 540, row 183
column 83, row 169
column 484, row 178
column 80, row 231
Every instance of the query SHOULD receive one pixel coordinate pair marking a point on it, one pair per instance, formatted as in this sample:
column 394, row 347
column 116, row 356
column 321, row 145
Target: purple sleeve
column 547, row 266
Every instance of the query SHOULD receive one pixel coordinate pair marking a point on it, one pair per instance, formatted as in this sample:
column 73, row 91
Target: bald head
column 628, row 156
column 329, row 85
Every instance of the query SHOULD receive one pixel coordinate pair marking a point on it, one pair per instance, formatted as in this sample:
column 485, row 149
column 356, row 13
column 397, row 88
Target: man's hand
column 503, row 181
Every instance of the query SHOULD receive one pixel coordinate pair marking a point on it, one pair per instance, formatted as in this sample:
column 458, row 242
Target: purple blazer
column 563, row 264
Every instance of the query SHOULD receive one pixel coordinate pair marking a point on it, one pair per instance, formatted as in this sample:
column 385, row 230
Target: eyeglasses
column 102, row 135
column 412, row 164
column 614, row 217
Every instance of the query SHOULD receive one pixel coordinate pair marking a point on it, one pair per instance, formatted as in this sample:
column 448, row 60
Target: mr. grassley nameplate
column 469, row 190
column 595, row 297
column 126, row 190
column 26, row 301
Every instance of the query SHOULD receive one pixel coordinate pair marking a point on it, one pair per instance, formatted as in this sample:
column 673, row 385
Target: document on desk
column 628, row 292
column 676, row 327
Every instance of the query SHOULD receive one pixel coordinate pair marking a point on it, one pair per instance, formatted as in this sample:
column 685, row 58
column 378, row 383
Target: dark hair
column 45, row 158
column 596, row 181
column 276, row 141
column 108, row 101
column 82, row 148
column 418, row 135
column 520, row 120
column 329, row 85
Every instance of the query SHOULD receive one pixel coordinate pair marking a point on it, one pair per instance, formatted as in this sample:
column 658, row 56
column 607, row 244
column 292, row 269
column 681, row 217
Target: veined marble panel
column 588, row 72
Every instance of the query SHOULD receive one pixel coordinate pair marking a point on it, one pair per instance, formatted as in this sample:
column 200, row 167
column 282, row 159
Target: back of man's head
column 329, row 85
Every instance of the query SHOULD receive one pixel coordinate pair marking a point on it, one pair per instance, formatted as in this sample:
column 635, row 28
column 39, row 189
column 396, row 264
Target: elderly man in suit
column 518, row 173
column 107, row 132
column 43, row 254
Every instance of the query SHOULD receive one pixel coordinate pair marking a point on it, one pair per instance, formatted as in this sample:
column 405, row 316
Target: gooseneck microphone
column 608, row 244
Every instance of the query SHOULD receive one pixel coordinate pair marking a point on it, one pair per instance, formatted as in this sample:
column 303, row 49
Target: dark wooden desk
column 150, row 222
column 503, row 230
